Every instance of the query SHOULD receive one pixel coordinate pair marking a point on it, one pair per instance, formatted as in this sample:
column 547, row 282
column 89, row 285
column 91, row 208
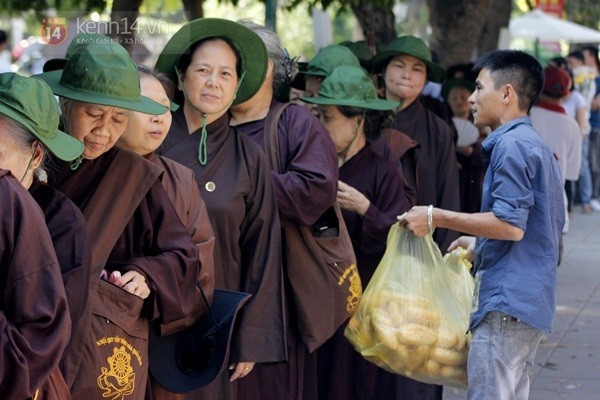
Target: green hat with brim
column 30, row 102
column 453, row 83
column 412, row 46
column 328, row 58
column 249, row 47
column 350, row 86
column 361, row 51
column 102, row 74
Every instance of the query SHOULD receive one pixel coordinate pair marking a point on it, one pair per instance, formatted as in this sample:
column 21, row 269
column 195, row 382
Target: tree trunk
column 194, row 8
column 124, row 22
column 498, row 18
column 456, row 28
column 417, row 19
column 377, row 23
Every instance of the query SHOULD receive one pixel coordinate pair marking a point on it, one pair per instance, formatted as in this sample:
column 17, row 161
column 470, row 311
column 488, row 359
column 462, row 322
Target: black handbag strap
column 271, row 135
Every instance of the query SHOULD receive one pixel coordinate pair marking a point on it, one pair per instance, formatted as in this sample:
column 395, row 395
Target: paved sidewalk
column 567, row 363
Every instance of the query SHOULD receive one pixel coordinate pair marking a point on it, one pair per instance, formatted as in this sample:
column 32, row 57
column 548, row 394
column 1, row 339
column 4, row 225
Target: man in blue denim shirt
column 517, row 230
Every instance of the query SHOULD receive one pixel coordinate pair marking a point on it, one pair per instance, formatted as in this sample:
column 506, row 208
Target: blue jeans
column 501, row 358
column 594, row 160
column 584, row 184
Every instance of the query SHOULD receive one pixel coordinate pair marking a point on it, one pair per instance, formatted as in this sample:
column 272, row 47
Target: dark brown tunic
column 34, row 316
column 237, row 189
column 402, row 151
column 180, row 184
column 471, row 173
column 381, row 183
column 343, row 373
column 437, row 168
column 308, row 186
column 67, row 229
column 304, row 191
column 154, row 241
column 181, row 187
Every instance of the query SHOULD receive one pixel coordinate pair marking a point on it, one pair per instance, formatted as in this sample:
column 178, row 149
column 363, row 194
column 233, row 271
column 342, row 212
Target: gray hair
column 284, row 68
column 24, row 139
column 65, row 105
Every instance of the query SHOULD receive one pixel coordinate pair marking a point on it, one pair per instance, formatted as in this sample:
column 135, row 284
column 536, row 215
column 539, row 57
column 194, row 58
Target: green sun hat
column 248, row 45
column 361, row 51
column 30, row 102
column 83, row 39
column 412, row 46
column 450, row 84
column 102, row 73
column 350, row 86
column 328, row 58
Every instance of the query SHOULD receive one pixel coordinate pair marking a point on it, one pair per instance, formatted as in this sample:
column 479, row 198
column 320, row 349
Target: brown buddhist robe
column 154, row 242
column 343, row 373
column 304, row 191
column 399, row 148
column 181, row 187
column 437, row 169
column 67, row 229
column 236, row 187
column 471, row 173
column 180, row 184
column 34, row 317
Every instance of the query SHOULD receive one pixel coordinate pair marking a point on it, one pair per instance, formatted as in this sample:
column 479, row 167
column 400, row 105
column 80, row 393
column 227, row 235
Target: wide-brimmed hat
column 102, row 74
column 450, row 84
column 190, row 359
column 83, row 39
column 350, row 86
column 412, row 46
column 361, row 51
column 325, row 61
column 30, row 102
column 248, row 45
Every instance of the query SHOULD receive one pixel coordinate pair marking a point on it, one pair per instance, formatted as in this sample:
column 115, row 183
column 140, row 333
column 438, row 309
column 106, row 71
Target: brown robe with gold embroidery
column 154, row 242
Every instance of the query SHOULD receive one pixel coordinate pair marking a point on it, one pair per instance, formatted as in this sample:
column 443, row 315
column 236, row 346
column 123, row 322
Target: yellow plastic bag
column 414, row 314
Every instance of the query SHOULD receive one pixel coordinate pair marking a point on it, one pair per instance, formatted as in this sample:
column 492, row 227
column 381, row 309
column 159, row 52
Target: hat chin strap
column 76, row 163
column 202, row 147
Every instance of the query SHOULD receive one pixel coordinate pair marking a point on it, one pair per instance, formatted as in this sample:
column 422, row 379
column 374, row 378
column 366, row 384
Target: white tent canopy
column 537, row 25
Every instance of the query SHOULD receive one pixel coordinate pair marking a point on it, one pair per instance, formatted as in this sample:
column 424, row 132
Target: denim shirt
column 523, row 187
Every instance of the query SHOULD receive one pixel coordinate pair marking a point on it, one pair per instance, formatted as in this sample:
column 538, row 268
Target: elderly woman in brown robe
column 406, row 65
column 218, row 63
column 34, row 318
column 304, row 191
column 143, row 135
column 139, row 246
column 371, row 194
